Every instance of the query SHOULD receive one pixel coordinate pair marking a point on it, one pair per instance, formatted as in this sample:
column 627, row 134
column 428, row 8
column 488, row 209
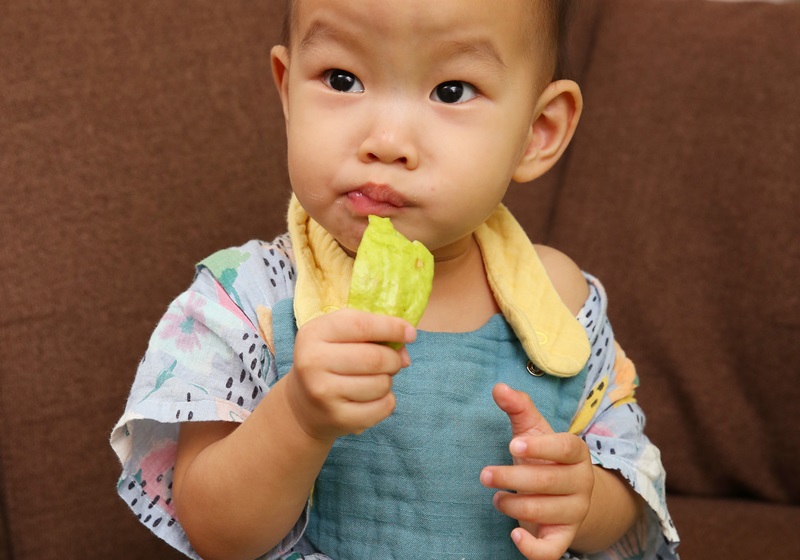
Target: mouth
column 380, row 200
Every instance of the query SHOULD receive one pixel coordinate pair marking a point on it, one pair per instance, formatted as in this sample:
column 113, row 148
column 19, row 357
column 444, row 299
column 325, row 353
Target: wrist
column 613, row 509
column 296, row 418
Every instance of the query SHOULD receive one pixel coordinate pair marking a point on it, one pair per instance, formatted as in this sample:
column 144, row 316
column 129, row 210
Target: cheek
column 309, row 149
column 302, row 168
column 497, row 144
column 317, row 134
column 489, row 167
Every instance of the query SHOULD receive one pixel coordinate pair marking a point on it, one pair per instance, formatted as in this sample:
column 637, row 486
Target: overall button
column 534, row 370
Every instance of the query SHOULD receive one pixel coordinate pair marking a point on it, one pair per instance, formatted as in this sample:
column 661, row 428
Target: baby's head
column 420, row 111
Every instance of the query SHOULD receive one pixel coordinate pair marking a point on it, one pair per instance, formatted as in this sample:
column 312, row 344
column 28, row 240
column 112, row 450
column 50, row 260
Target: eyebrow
column 319, row 32
column 480, row 48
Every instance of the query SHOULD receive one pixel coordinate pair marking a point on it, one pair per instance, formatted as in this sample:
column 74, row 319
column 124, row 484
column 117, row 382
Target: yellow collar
column 551, row 336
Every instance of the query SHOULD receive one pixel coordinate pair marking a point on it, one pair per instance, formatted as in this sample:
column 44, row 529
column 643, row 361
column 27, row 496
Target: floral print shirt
column 211, row 358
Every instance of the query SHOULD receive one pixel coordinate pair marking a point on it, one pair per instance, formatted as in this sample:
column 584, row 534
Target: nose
column 390, row 141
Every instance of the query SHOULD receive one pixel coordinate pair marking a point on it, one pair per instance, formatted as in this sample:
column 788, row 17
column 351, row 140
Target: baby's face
column 415, row 110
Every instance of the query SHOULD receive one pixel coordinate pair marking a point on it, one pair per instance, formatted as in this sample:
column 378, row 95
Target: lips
column 376, row 199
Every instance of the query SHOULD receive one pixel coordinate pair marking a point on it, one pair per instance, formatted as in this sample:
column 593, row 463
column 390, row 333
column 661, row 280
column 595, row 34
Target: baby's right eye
column 344, row 81
column 454, row 92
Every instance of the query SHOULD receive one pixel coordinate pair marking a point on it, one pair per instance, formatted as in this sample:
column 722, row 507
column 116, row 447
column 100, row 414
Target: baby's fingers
column 551, row 480
column 351, row 325
column 542, row 510
column 551, row 547
column 366, row 359
column 566, row 449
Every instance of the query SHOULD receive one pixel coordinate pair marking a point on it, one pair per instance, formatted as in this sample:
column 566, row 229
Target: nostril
column 372, row 157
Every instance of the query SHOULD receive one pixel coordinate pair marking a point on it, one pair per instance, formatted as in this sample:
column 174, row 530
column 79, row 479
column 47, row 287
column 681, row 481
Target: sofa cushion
column 135, row 139
column 681, row 193
column 712, row 528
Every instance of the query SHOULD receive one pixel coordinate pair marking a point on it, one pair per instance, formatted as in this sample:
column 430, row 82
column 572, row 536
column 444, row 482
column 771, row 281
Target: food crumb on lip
column 379, row 193
column 386, row 203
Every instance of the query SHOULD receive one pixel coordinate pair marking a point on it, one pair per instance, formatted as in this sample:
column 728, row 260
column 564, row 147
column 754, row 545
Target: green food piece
column 391, row 275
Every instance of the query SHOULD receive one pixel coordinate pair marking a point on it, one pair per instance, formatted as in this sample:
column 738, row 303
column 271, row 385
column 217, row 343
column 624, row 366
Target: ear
column 280, row 73
column 558, row 111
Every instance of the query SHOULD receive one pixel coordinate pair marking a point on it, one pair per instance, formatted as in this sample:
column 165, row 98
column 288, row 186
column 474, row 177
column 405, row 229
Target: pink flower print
column 626, row 381
column 229, row 412
column 185, row 328
column 601, row 430
column 155, row 476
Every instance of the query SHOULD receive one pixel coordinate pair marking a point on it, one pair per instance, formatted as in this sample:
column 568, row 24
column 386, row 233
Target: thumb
column 525, row 418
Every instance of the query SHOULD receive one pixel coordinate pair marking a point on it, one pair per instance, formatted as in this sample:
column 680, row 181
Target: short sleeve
column 207, row 360
column 612, row 424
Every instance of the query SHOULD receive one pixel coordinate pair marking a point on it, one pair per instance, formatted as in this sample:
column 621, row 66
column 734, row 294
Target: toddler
column 266, row 419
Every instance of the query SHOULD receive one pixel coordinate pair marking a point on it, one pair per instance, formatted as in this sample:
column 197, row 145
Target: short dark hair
column 559, row 13
column 288, row 16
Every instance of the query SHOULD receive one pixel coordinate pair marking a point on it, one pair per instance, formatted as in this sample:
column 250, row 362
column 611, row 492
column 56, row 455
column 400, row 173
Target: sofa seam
column 5, row 523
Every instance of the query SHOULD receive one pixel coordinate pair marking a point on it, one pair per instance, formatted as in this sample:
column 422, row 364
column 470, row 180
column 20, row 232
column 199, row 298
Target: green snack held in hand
column 391, row 275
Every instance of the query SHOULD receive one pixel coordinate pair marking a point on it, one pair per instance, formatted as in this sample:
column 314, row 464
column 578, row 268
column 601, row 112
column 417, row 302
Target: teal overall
column 408, row 488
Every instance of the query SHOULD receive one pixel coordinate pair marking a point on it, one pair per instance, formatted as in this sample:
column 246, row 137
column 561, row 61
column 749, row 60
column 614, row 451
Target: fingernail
column 516, row 536
column 518, row 446
column 486, row 478
column 405, row 359
column 410, row 334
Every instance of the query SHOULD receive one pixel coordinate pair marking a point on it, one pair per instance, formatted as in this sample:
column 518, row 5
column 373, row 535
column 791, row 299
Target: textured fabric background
column 136, row 138
column 687, row 169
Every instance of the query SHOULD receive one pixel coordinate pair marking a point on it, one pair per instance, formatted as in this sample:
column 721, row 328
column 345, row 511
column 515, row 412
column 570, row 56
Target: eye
column 344, row 81
column 454, row 92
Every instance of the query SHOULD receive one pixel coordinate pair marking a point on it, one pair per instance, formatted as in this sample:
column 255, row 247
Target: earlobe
column 280, row 74
column 557, row 114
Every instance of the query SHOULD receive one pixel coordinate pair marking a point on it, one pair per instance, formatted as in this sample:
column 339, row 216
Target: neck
column 461, row 299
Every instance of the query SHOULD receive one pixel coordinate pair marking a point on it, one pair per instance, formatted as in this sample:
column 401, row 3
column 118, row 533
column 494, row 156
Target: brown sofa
column 138, row 137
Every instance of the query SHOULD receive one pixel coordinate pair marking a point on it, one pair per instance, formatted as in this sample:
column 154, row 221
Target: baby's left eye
column 454, row 92
column 344, row 81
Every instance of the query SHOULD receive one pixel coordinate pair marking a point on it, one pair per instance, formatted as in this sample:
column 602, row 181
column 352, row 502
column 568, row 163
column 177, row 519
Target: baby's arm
column 614, row 504
column 614, row 509
column 562, row 501
column 562, row 498
column 239, row 490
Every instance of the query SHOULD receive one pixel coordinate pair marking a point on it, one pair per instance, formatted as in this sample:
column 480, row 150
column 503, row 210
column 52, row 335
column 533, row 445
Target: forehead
column 517, row 23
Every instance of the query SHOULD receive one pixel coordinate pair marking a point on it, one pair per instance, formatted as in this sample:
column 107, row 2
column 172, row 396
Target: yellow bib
column 551, row 336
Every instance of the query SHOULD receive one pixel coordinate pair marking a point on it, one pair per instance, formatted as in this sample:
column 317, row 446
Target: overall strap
column 284, row 332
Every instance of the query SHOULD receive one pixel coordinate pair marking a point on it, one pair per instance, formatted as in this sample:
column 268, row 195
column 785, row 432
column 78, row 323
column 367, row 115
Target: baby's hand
column 552, row 476
column 341, row 380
